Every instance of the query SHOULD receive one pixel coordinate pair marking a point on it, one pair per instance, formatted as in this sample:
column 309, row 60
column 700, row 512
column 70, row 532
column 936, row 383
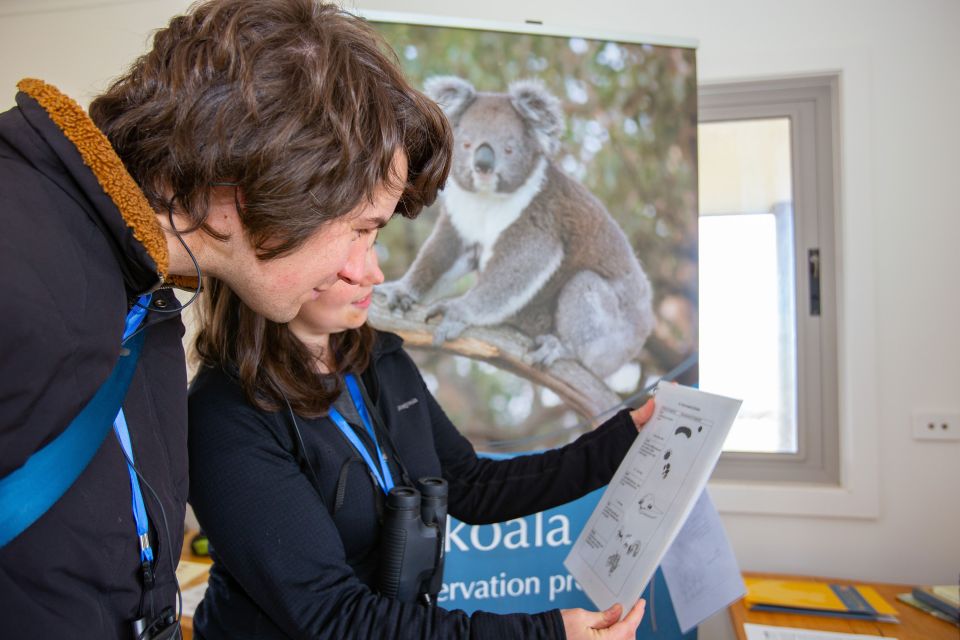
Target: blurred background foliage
column 630, row 138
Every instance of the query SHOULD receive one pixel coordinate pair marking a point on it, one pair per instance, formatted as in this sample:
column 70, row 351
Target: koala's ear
column 541, row 109
column 453, row 94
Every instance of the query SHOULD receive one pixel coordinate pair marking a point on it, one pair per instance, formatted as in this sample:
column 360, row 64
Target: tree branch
column 505, row 348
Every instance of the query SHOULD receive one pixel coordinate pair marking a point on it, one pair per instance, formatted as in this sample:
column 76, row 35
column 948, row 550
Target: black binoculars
column 411, row 545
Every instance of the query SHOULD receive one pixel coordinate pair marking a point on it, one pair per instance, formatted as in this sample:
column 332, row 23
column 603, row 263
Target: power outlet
column 931, row 425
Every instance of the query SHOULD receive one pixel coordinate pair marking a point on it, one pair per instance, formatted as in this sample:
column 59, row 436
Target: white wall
column 899, row 232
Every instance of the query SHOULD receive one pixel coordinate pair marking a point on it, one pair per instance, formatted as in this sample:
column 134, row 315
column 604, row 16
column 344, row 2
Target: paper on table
column 192, row 598
column 700, row 569
column 650, row 495
column 764, row 632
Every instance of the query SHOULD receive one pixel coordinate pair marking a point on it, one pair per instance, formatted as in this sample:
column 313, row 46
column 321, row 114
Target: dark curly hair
column 300, row 104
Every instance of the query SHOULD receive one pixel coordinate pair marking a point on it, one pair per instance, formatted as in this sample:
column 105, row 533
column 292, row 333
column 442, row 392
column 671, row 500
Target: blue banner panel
column 517, row 566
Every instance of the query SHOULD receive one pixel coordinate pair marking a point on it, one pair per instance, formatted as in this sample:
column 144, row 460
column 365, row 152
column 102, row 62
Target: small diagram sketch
column 666, row 467
column 631, row 543
column 613, row 561
column 648, row 506
column 687, row 432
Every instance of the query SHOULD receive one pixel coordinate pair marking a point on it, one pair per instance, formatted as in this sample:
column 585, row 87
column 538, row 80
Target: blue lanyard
column 134, row 319
column 382, row 471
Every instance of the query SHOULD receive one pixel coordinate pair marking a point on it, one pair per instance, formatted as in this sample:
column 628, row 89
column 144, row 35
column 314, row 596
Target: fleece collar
column 105, row 165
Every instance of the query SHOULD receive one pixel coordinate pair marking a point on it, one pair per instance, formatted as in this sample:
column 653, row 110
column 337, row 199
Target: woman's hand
column 642, row 415
column 580, row 624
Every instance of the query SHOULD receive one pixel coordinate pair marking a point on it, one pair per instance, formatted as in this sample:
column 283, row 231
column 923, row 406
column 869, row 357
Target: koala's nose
column 484, row 158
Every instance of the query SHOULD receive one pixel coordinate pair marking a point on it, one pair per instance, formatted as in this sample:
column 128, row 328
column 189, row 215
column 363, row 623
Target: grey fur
column 559, row 269
column 541, row 109
column 451, row 93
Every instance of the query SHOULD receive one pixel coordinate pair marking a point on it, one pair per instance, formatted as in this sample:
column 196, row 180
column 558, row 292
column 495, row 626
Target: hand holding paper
column 651, row 494
column 642, row 415
column 580, row 623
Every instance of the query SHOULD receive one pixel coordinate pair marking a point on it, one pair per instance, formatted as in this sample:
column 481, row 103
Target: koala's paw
column 396, row 296
column 548, row 349
column 450, row 327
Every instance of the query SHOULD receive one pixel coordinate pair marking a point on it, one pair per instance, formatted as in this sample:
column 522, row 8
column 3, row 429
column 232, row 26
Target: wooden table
column 186, row 623
column 914, row 624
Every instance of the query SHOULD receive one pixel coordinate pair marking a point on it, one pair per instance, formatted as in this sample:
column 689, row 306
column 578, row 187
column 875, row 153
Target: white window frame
column 811, row 105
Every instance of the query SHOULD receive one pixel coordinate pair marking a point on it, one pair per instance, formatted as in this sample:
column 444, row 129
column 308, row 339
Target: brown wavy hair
column 300, row 104
column 272, row 365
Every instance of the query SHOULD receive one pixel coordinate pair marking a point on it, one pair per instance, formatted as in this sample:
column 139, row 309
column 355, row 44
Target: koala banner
column 556, row 275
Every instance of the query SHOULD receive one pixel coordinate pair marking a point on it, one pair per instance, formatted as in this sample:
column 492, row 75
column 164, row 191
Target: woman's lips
column 364, row 302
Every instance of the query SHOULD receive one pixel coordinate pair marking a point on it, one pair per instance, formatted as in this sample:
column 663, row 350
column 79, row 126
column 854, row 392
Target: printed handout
column 651, row 494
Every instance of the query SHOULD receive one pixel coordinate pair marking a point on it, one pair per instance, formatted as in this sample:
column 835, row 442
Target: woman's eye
column 370, row 234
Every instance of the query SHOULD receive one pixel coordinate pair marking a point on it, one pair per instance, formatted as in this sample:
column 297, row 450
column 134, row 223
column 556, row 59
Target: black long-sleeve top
column 297, row 557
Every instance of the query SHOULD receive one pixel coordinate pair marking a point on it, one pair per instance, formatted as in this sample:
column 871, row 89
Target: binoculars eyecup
column 404, row 501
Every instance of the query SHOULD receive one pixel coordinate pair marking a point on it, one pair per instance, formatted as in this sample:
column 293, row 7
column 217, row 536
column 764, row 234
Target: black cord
column 193, row 258
column 166, row 531
column 303, row 447
column 196, row 265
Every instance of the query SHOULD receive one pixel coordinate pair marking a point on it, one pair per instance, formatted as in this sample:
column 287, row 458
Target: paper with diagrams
column 651, row 494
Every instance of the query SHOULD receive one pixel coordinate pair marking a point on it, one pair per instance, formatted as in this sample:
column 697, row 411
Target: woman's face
column 344, row 305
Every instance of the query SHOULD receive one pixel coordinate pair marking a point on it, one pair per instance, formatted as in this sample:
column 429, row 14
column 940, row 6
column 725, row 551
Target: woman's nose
column 354, row 269
column 375, row 273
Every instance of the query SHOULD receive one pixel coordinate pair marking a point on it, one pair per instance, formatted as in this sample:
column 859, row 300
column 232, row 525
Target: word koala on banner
column 550, row 260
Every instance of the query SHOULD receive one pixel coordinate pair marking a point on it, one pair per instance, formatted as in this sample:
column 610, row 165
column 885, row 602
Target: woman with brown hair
column 297, row 432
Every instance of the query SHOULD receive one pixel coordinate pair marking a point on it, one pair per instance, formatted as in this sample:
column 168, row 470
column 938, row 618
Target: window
column 767, row 300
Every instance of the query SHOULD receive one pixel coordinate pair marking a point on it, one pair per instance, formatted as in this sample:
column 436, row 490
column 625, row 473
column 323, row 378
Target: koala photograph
column 549, row 259
column 555, row 276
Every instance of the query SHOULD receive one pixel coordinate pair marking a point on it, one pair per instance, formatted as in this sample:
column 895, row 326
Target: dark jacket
column 292, row 560
column 69, row 263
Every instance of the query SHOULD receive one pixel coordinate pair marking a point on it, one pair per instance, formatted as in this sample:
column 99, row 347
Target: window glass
column 747, row 283
column 744, row 165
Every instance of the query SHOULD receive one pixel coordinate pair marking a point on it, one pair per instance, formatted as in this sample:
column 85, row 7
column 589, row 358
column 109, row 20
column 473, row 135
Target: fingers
column 632, row 621
column 580, row 624
column 609, row 617
column 642, row 415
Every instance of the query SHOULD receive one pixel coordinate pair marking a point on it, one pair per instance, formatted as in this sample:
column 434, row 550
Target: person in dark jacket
column 255, row 142
column 290, row 506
